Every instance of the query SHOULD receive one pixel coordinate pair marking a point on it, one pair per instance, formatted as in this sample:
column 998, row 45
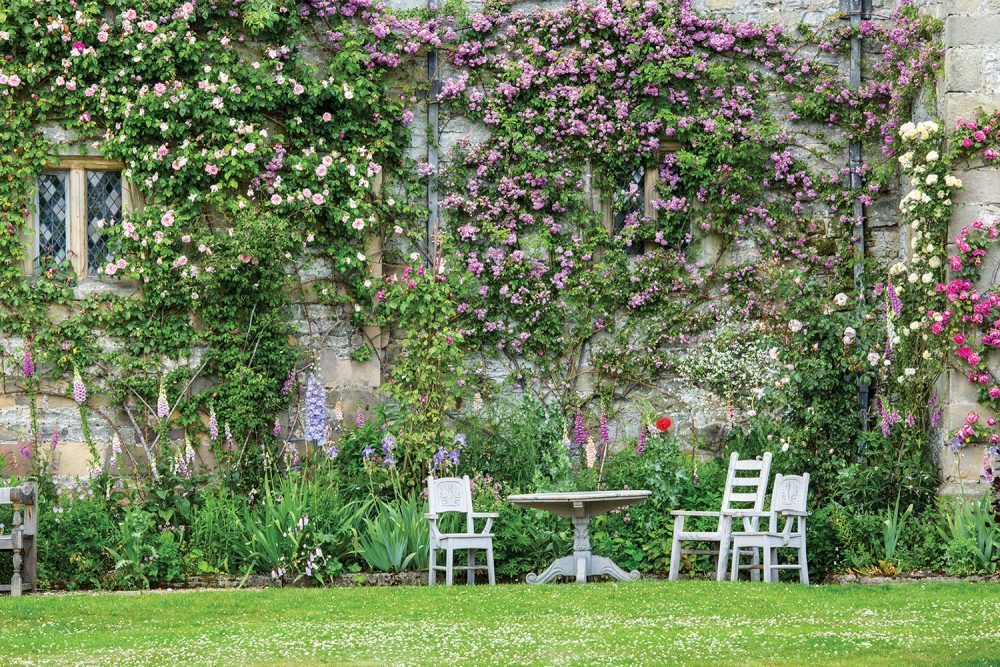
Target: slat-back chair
column 746, row 488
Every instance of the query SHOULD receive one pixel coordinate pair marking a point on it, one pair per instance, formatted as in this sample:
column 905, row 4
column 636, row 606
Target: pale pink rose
column 318, row 199
column 276, row 199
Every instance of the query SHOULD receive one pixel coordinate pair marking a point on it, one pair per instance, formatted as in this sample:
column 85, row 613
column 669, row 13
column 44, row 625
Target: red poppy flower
column 663, row 424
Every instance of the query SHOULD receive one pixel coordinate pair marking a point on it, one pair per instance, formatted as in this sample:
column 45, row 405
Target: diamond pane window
column 104, row 206
column 53, row 215
column 629, row 207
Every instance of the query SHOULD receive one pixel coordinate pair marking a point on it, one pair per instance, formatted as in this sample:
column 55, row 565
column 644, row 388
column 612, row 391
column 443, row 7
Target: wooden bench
column 21, row 540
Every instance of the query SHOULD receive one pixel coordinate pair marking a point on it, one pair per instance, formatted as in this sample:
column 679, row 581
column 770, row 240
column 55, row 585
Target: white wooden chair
column 454, row 494
column 788, row 502
column 751, row 494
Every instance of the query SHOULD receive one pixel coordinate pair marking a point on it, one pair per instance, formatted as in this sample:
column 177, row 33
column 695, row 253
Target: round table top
column 580, row 503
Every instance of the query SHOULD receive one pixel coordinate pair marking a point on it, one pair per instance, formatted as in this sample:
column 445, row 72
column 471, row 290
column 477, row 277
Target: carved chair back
column 451, row 494
column 788, row 501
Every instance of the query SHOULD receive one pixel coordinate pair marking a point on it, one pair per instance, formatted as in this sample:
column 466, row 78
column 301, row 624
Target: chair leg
column 675, row 550
column 734, row 573
column 768, row 554
column 755, row 563
column 431, row 563
column 720, row 570
column 489, row 566
column 470, row 575
column 803, row 564
column 449, row 565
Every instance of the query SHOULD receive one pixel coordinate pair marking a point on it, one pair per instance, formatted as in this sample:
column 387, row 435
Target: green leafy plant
column 893, row 526
column 971, row 536
column 397, row 538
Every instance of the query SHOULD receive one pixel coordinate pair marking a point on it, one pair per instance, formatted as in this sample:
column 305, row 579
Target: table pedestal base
column 582, row 563
column 582, row 567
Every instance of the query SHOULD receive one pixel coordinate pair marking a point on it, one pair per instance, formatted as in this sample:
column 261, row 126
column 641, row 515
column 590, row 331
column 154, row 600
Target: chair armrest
column 485, row 515
column 687, row 513
column 430, row 516
column 795, row 513
column 746, row 513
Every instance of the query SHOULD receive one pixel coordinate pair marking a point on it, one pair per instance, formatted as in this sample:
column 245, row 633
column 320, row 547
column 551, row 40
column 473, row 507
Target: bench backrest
column 25, row 498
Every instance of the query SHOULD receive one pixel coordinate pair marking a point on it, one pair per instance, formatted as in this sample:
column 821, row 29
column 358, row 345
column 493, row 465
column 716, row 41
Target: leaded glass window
column 104, row 206
column 53, row 215
column 630, row 205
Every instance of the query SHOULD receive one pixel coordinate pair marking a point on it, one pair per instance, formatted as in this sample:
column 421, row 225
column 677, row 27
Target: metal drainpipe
column 433, row 110
column 856, row 11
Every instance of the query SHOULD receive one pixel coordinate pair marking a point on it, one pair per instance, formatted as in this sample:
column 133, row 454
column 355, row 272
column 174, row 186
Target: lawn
column 640, row 623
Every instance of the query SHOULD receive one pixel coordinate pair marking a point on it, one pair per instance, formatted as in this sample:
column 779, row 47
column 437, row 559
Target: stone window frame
column 604, row 205
column 75, row 167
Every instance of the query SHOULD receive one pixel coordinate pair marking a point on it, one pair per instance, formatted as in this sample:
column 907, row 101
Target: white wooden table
column 579, row 507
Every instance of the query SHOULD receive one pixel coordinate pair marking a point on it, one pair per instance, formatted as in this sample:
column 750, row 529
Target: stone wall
column 971, row 80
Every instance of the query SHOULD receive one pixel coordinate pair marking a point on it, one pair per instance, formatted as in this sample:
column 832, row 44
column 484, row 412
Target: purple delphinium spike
column 894, row 302
column 359, row 419
column 277, row 428
column 315, row 411
column 230, row 444
column 641, row 445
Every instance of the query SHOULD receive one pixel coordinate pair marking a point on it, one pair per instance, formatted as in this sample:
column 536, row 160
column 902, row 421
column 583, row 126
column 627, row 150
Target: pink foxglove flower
column 79, row 388
column 591, row 452
column 162, row 407
column 641, row 445
column 28, row 363
column 213, row 425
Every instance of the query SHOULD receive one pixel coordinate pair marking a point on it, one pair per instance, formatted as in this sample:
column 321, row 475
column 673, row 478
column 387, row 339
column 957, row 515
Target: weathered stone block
column 964, row 214
column 963, row 7
column 72, row 458
column 339, row 372
column 979, row 186
column 721, row 5
column 963, row 468
column 962, row 69
column 959, row 30
column 961, row 392
column 965, row 105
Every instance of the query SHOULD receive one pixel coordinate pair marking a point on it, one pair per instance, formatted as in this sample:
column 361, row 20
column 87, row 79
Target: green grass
column 651, row 623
